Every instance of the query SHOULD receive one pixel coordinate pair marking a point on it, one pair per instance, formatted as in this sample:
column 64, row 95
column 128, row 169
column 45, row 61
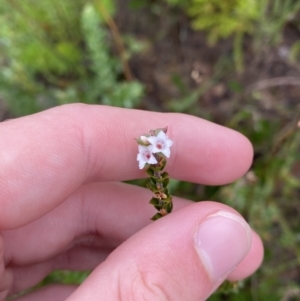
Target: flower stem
column 158, row 184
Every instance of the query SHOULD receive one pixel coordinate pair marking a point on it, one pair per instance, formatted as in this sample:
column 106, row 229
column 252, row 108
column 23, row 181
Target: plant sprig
column 154, row 149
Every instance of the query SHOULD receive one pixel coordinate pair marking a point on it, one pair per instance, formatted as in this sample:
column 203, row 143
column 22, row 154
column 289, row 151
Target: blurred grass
column 56, row 52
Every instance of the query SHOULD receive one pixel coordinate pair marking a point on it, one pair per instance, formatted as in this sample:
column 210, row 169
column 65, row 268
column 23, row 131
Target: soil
column 178, row 58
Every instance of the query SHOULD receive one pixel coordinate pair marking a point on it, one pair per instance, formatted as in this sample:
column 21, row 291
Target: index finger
column 46, row 156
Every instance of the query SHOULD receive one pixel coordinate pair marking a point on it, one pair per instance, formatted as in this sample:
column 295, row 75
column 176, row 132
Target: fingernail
column 222, row 241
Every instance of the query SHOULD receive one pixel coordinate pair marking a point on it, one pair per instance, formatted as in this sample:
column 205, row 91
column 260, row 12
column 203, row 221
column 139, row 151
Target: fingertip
column 236, row 155
column 251, row 262
column 194, row 248
column 246, row 148
column 208, row 153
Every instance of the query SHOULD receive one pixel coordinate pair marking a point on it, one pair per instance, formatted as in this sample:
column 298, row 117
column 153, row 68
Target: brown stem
column 274, row 82
column 117, row 37
column 286, row 133
column 157, row 174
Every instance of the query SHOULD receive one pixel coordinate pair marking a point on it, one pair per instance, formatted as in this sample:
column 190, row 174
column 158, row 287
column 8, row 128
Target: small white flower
column 145, row 155
column 161, row 144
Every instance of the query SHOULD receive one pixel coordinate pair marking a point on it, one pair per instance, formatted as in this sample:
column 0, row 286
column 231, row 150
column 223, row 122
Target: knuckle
column 147, row 285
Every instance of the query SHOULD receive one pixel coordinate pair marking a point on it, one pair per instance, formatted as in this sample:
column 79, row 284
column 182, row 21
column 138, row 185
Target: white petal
column 152, row 140
column 142, row 164
column 152, row 160
column 169, row 143
column 166, row 152
column 141, row 148
column 155, row 150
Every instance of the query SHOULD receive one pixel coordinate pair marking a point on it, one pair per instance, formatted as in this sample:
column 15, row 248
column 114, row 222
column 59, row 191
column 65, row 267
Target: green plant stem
column 238, row 52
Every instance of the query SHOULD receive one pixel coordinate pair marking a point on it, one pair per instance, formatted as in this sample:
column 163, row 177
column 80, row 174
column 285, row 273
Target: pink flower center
column 147, row 155
column 159, row 145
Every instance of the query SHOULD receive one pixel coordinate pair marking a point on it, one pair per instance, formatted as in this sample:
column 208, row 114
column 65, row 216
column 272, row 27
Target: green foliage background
column 55, row 52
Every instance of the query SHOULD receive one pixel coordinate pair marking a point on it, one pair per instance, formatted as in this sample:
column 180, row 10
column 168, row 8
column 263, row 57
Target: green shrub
column 56, row 52
column 221, row 19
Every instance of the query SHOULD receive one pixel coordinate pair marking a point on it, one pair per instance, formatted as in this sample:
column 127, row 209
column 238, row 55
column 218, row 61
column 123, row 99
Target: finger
column 6, row 276
column 78, row 234
column 251, row 262
column 184, row 256
column 76, row 259
column 49, row 293
column 82, row 221
column 46, row 156
column 81, row 259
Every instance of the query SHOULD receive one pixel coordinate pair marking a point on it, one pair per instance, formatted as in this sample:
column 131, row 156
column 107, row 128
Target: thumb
column 183, row 256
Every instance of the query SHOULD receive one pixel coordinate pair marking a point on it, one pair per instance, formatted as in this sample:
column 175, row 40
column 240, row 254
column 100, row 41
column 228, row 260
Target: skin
column 63, row 205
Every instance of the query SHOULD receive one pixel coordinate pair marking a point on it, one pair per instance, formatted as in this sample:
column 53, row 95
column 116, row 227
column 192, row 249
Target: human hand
column 63, row 207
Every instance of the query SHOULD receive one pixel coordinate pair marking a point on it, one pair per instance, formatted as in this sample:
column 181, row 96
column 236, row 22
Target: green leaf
column 166, row 191
column 164, row 179
column 153, row 180
column 169, row 207
column 69, row 51
column 161, row 165
column 164, row 176
column 156, row 216
column 155, row 201
column 150, row 171
column 167, row 200
column 166, row 182
column 137, row 4
column 152, row 187
column 157, row 131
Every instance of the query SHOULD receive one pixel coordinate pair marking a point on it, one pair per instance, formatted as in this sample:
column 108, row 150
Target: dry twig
column 273, row 82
